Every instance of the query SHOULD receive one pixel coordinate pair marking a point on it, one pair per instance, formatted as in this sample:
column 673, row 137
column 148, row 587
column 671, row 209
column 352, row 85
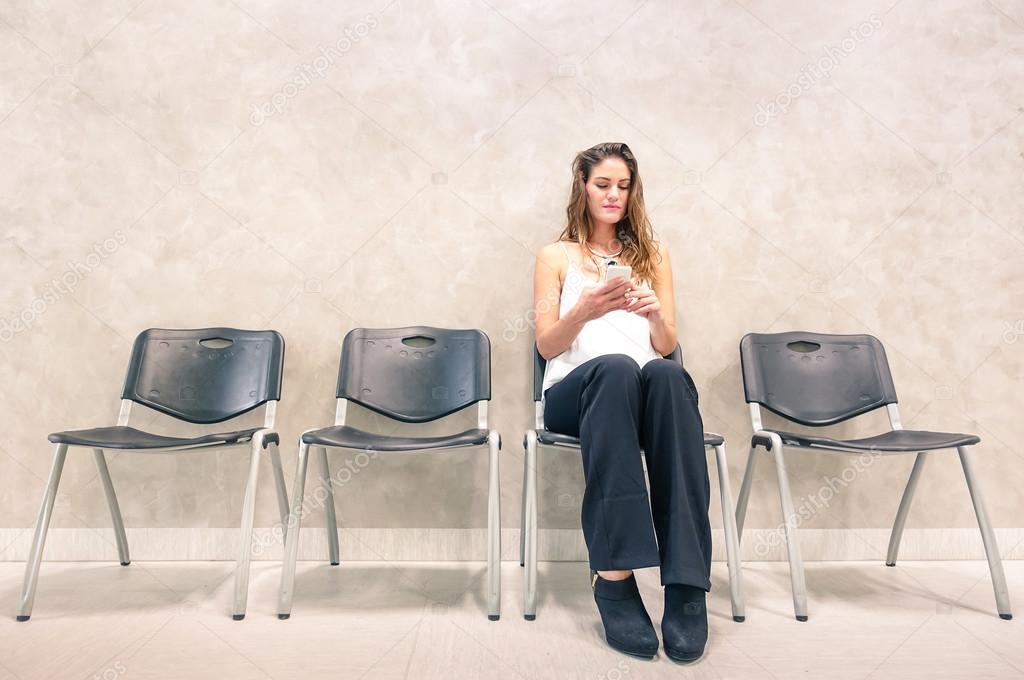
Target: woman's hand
column 596, row 301
column 644, row 301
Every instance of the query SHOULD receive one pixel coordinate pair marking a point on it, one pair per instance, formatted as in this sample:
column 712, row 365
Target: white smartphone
column 618, row 271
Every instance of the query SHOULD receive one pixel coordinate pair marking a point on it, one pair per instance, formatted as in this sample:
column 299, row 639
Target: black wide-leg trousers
column 617, row 409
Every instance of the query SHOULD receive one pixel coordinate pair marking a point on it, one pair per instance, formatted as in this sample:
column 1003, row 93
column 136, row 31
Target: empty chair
column 415, row 374
column 815, row 379
column 200, row 376
column 528, row 532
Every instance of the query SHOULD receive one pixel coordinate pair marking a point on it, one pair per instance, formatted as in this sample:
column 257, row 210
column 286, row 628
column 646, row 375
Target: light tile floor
column 427, row 620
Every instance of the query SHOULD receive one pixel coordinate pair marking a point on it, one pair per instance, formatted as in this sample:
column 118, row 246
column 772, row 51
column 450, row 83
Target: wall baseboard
column 88, row 544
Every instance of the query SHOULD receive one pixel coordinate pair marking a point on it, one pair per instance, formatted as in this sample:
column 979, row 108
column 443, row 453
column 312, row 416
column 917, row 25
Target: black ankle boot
column 627, row 627
column 684, row 627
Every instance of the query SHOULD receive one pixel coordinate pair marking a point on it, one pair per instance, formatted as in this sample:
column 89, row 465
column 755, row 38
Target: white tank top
column 617, row 332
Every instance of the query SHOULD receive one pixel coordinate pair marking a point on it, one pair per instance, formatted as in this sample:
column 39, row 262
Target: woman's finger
column 616, row 294
column 621, row 303
column 646, row 308
column 616, row 285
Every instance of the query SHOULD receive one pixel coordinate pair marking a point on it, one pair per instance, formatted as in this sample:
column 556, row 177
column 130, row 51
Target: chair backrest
column 816, row 379
column 415, row 374
column 205, row 375
column 539, row 364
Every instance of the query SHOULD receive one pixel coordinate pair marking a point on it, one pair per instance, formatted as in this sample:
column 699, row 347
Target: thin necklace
column 605, row 255
column 605, row 261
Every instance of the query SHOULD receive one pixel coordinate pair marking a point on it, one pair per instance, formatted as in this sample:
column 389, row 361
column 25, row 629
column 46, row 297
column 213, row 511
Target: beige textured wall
column 317, row 167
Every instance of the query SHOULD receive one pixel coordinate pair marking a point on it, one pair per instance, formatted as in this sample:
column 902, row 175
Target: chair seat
column 121, row 437
column 346, row 437
column 896, row 441
column 555, row 438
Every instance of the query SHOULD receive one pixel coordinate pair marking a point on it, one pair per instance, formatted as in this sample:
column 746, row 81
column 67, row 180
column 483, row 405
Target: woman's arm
column 553, row 335
column 663, row 320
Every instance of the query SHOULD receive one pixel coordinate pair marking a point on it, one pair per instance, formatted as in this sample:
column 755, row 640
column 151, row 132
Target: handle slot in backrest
column 205, row 375
column 418, row 341
column 415, row 374
column 216, row 343
column 815, row 379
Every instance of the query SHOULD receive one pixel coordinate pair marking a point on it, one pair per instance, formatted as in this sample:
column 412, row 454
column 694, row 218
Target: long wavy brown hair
column 634, row 230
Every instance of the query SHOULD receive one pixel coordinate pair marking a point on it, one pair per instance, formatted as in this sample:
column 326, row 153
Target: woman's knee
column 616, row 366
column 666, row 370
column 663, row 368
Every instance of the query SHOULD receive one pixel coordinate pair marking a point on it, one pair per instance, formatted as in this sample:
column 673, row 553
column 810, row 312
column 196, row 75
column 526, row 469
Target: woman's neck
column 604, row 237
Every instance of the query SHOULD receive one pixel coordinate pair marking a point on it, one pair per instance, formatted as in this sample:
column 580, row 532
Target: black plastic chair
column 816, row 379
column 528, row 522
column 199, row 376
column 415, row 374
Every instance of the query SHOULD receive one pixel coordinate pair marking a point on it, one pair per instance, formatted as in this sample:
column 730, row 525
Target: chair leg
column 115, row 509
column 741, row 502
column 493, row 531
column 291, row 544
column 245, row 537
column 280, row 487
column 732, row 547
column 530, row 528
column 331, row 517
column 522, row 516
column 796, row 565
column 988, row 537
column 28, row 591
column 904, row 510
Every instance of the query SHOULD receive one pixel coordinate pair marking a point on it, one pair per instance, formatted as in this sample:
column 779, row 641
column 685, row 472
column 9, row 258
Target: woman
column 607, row 383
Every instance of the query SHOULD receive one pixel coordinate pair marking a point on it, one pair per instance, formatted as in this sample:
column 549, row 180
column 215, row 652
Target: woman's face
column 608, row 191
